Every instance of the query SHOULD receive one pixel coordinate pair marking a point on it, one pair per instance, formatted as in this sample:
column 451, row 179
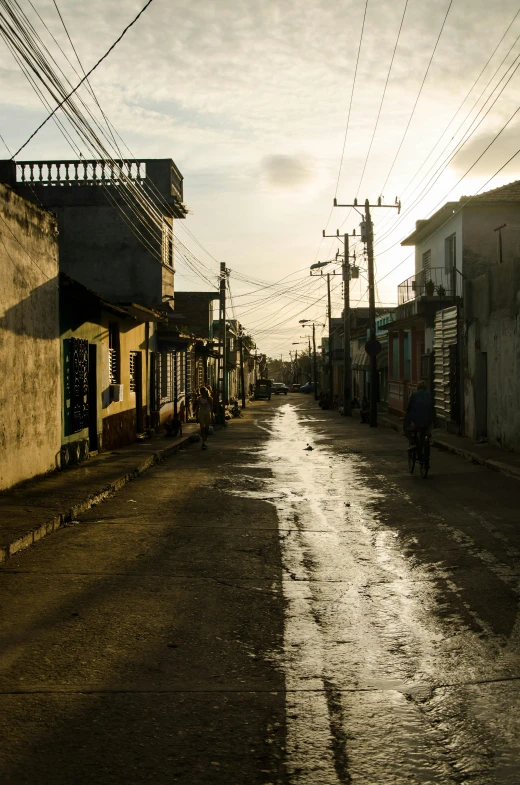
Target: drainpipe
column 499, row 230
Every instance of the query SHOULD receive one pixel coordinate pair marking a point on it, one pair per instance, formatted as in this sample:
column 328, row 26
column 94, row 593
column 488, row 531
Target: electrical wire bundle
column 139, row 203
column 458, row 138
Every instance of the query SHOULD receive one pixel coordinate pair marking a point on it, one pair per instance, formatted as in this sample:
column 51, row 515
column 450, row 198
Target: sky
column 271, row 109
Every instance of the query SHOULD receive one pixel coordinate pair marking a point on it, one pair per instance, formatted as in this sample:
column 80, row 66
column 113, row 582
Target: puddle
column 363, row 652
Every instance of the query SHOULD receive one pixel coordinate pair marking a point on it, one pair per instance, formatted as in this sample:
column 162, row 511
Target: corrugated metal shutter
column 446, row 364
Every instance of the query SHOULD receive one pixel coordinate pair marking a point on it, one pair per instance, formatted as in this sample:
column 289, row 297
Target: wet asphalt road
column 264, row 613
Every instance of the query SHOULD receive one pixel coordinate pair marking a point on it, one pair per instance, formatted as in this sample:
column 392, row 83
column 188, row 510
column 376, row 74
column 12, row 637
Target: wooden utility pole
column 347, row 365
column 368, row 238
column 371, row 315
column 329, row 364
column 242, row 383
column 222, row 375
column 315, row 364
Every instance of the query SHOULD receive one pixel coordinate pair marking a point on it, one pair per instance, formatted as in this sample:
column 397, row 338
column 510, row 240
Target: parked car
column 263, row 389
column 278, row 388
column 295, row 388
column 310, row 387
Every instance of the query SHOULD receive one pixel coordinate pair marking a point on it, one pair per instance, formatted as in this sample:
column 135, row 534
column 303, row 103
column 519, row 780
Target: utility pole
column 347, row 364
column 222, row 375
column 371, row 315
column 329, row 364
column 315, row 369
column 242, row 383
column 368, row 238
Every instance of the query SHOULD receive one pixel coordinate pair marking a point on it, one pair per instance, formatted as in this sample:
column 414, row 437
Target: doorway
column 138, row 388
column 92, row 398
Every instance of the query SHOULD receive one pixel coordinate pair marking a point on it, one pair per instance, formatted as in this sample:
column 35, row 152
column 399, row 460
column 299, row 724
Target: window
column 167, row 244
column 427, row 262
column 450, row 259
column 133, row 379
column 181, row 359
column 114, row 360
column 166, row 377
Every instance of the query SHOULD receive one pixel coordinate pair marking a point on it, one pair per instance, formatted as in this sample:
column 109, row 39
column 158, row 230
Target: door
column 138, row 387
column 92, row 397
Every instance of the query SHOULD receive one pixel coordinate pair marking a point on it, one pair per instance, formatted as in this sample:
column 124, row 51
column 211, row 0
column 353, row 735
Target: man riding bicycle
column 419, row 412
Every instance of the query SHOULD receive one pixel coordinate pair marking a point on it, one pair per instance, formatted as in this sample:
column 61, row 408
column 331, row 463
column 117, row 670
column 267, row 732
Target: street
column 291, row 607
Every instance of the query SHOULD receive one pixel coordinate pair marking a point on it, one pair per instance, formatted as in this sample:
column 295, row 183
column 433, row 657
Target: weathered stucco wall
column 492, row 356
column 30, row 424
column 480, row 241
column 436, row 243
column 120, row 418
column 99, row 250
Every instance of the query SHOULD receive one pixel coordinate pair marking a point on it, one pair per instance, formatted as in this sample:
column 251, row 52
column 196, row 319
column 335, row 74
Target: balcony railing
column 158, row 177
column 435, row 282
column 70, row 173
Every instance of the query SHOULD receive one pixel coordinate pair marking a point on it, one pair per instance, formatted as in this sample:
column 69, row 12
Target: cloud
column 287, row 171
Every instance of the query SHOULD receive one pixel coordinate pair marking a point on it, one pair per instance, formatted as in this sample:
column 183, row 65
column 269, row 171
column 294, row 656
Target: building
column 360, row 361
column 115, row 222
column 30, row 401
column 458, row 243
column 491, row 360
column 106, row 371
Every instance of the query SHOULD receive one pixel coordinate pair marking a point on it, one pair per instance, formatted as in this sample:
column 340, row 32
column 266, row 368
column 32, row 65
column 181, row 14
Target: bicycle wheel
column 425, row 459
column 412, row 454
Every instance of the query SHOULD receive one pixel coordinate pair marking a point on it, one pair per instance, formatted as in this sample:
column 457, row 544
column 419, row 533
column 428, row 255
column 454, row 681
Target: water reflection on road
column 375, row 692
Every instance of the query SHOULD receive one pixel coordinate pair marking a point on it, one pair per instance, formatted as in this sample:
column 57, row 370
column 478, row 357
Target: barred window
column 181, row 372
column 166, row 377
column 133, row 379
column 114, row 360
column 167, row 244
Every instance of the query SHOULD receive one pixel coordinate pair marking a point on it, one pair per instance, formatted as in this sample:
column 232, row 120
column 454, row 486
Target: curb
column 488, row 463
column 64, row 518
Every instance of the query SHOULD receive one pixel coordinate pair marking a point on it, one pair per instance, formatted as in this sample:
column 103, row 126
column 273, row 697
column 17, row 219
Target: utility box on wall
column 116, row 393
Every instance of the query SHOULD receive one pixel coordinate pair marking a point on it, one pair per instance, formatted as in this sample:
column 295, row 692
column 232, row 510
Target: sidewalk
column 491, row 457
column 38, row 507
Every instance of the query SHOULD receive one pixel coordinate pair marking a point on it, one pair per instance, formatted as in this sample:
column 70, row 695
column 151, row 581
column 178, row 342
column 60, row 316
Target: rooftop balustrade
column 159, row 177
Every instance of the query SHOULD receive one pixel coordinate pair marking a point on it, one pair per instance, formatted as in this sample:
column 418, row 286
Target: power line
column 465, row 137
column 71, row 93
column 382, row 99
column 418, row 95
column 472, row 165
column 348, row 119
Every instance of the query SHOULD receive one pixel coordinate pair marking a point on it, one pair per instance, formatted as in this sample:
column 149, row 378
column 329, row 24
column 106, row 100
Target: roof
column 425, row 227
column 505, row 193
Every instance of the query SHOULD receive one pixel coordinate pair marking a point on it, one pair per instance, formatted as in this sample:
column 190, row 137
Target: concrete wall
column 84, row 316
column 492, row 356
column 480, row 241
column 29, row 341
column 436, row 244
column 195, row 311
column 120, row 418
column 99, row 250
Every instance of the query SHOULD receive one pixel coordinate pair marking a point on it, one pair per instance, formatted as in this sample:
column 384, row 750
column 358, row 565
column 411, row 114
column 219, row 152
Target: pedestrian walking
column 204, row 411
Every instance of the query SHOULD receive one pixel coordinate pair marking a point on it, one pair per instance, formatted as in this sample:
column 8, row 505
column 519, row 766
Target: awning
column 361, row 360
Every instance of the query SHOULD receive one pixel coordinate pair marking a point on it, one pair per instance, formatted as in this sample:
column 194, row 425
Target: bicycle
column 420, row 451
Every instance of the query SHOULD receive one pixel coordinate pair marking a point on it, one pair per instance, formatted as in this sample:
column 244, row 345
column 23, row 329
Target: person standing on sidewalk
column 205, row 408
